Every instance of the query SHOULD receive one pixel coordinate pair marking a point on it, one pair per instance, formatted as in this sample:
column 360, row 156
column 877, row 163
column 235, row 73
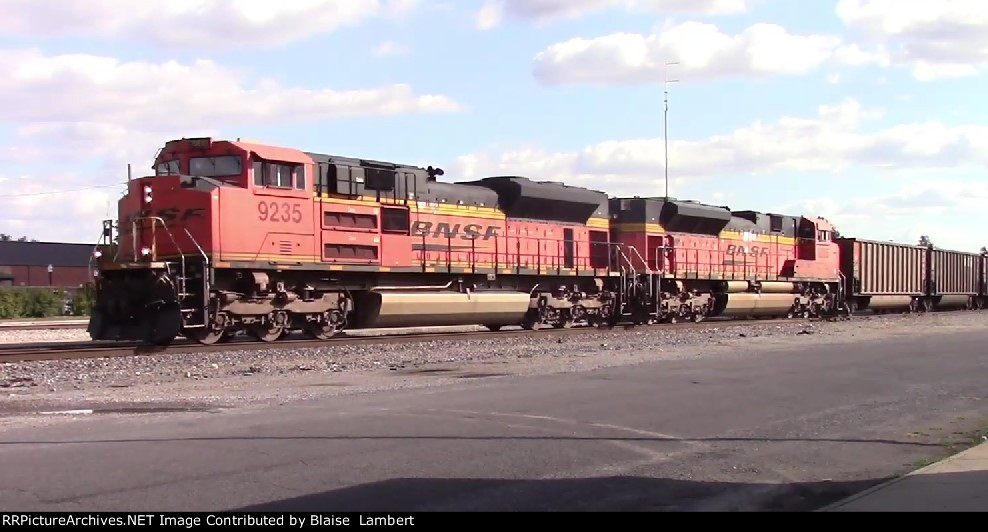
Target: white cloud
column 702, row 51
column 390, row 48
column 493, row 12
column 85, row 88
column 490, row 15
column 74, row 109
column 942, row 38
column 833, row 141
column 934, row 207
column 197, row 24
column 61, row 208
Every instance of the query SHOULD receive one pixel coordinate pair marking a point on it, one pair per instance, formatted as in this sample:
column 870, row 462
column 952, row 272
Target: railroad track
column 41, row 325
column 80, row 350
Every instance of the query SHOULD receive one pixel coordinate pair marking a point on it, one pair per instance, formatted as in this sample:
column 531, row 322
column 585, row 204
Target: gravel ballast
column 236, row 378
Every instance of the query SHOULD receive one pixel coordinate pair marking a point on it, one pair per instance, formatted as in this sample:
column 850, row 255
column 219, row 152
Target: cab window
column 167, row 168
column 279, row 175
column 221, row 166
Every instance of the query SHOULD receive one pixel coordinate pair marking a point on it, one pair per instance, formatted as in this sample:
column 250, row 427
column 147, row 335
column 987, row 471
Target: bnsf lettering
column 755, row 251
column 445, row 230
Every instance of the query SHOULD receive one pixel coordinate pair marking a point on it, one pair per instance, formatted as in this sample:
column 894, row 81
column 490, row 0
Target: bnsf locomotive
column 232, row 236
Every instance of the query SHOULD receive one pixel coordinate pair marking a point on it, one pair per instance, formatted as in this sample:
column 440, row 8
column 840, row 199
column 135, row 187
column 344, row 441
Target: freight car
column 894, row 277
column 232, row 236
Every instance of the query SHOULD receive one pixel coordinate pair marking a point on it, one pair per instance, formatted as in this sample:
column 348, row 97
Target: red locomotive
column 232, row 236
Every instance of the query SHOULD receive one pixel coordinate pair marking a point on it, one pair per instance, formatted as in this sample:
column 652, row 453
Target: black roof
column 13, row 253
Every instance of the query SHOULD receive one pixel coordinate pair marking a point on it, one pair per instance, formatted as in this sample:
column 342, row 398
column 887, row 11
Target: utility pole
column 665, row 134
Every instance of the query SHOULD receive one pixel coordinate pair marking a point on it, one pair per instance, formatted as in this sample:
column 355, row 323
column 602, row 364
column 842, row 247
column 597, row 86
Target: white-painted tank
column 395, row 308
column 754, row 304
column 776, row 287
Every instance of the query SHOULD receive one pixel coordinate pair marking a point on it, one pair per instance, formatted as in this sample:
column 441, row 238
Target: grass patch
column 962, row 442
column 976, row 438
column 980, row 437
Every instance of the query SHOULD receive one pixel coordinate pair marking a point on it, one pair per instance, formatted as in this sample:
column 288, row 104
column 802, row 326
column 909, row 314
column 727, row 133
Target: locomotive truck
column 232, row 236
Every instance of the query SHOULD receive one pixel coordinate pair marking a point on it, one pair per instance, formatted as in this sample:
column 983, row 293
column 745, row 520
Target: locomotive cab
column 168, row 238
column 816, row 250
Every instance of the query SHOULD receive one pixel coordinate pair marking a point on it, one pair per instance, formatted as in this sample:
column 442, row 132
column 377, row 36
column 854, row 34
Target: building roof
column 13, row 253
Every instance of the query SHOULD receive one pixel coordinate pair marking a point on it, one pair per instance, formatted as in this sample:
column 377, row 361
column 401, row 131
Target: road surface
column 790, row 429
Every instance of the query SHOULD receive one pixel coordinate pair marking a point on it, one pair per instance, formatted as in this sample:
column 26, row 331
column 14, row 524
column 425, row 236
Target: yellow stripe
column 268, row 257
column 767, row 239
column 724, row 235
column 639, row 227
column 463, row 213
column 448, row 209
column 420, row 205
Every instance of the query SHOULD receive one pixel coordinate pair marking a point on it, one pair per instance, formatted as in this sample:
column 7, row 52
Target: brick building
column 27, row 264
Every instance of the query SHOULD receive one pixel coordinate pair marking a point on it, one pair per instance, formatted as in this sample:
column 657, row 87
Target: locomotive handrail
column 418, row 287
column 154, row 239
column 644, row 262
column 105, row 239
column 196, row 244
column 503, row 253
column 631, row 265
column 207, row 273
column 522, row 251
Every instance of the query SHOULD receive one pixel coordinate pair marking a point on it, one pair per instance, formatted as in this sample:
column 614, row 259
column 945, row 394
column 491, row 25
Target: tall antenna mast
column 665, row 134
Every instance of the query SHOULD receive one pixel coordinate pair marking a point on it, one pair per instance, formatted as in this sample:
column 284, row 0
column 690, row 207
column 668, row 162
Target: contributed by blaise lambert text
column 298, row 520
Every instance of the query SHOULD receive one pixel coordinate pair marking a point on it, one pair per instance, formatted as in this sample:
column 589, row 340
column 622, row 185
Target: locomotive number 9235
column 279, row 211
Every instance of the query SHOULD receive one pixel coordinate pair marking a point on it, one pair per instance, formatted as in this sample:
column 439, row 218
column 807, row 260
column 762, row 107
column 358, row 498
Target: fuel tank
column 767, row 287
column 397, row 308
column 754, row 304
column 775, row 287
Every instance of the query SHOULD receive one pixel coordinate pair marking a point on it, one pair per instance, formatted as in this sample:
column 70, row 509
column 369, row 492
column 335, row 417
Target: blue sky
column 862, row 111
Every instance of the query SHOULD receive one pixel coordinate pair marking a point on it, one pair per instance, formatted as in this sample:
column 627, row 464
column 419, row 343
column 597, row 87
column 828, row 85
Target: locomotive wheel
column 322, row 331
column 268, row 333
column 207, row 337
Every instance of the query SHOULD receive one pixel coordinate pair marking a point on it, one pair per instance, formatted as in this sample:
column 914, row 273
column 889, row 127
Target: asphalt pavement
column 780, row 430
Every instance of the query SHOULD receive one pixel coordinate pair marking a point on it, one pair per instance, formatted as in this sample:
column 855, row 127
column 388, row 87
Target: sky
column 869, row 113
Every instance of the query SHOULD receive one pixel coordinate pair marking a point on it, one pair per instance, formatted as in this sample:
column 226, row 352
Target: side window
column 395, row 220
column 167, row 168
column 279, row 175
column 258, row 173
